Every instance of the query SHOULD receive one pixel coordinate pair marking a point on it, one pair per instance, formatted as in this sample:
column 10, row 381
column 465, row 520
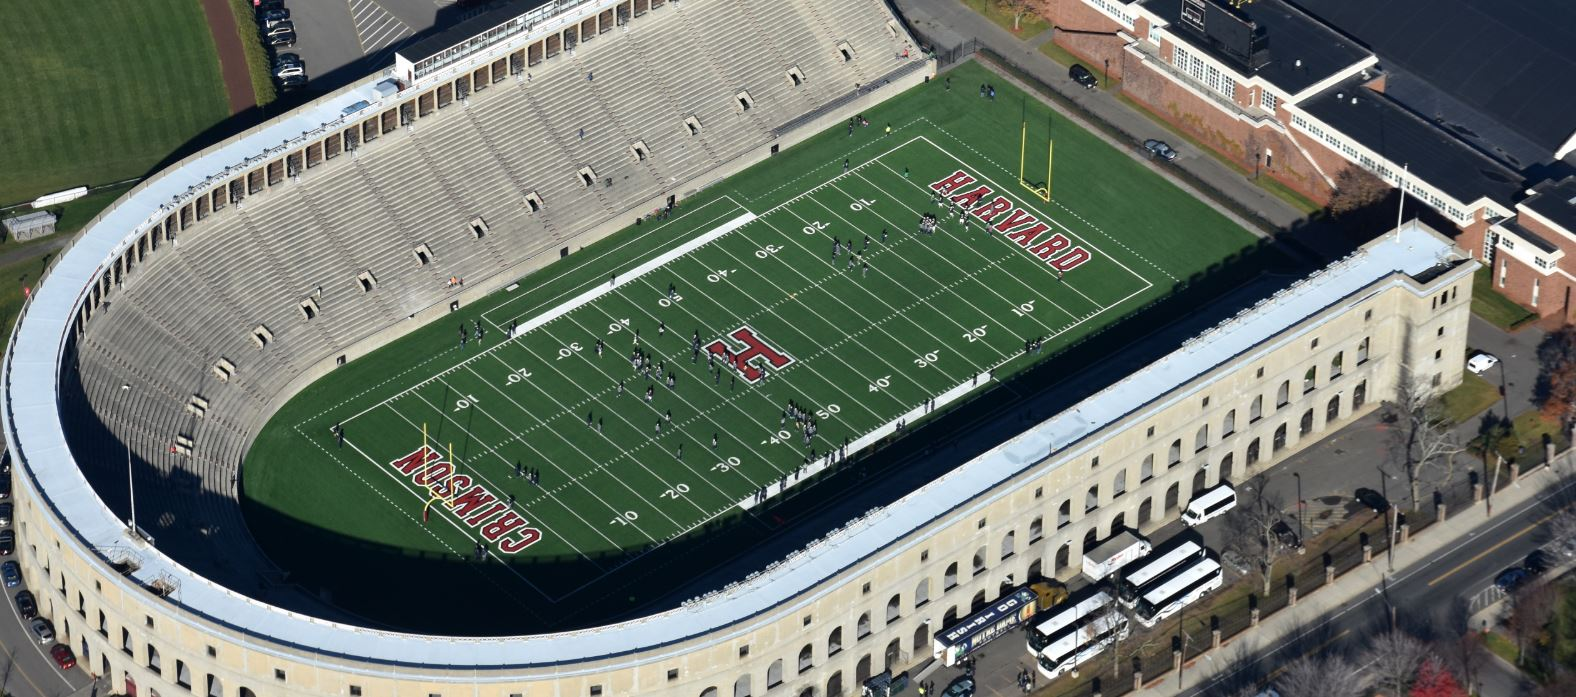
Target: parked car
column 1538, row 562
column 285, row 71
column 1233, row 560
column 1512, row 578
column 1373, row 499
column 284, row 59
column 26, row 606
column 266, row 5
column 7, row 543
column 281, row 27
column 292, row 82
column 42, row 629
column 1286, row 535
column 12, row 573
column 5, row 488
column 1160, row 149
column 274, row 16
column 1480, row 363
column 63, row 656
column 1082, row 76
column 286, row 39
column 962, row 687
column 5, row 514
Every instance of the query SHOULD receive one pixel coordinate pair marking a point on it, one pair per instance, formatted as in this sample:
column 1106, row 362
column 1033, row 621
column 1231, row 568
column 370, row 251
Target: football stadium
column 611, row 347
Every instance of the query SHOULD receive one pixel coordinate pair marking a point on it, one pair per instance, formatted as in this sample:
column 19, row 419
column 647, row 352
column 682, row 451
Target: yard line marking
column 624, row 453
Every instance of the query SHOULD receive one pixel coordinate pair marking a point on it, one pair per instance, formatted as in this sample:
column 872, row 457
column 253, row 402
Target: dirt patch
column 232, row 59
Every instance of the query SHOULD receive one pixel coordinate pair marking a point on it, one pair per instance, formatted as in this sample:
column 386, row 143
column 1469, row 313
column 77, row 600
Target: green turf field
column 863, row 352
column 100, row 90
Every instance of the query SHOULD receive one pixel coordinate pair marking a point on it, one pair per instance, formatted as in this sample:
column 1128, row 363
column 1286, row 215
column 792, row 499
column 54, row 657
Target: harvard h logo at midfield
column 753, row 351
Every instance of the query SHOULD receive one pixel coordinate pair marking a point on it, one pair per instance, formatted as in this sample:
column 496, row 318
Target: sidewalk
column 1287, row 624
column 950, row 23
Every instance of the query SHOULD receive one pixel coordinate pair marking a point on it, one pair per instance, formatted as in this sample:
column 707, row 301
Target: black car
column 275, row 16
column 284, row 39
column 290, row 83
column 25, row 605
column 1512, row 578
column 1082, row 76
column 7, row 543
column 1373, row 499
column 1538, row 562
column 1286, row 535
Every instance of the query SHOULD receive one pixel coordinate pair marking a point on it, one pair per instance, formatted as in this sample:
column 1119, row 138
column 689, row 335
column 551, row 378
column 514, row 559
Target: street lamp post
column 1105, row 80
column 131, row 488
column 1298, row 476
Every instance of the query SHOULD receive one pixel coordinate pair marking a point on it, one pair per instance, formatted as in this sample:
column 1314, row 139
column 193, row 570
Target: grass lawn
column 1469, row 399
column 1525, row 444
column 1501, row 646
column 101, row 90
column 1029, row 25
column 1497, row 309
column 1270, row 184
column 258, row 64
column 766, row 250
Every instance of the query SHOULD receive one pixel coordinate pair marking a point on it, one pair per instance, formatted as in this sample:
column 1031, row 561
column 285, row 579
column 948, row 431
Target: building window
column 1504, row 268
column 1268, row 100
column 1537, row 285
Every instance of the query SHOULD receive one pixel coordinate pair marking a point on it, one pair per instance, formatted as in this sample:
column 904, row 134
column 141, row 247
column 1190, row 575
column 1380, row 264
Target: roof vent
column 1339, row 96
column 1299, row 64
column 1354, row 100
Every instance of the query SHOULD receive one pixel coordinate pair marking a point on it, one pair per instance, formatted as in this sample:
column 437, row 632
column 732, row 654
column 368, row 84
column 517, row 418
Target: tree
column 1315, row 676
column 1249, row 530
column 1531, row 607
column 1022, row 8
column 1556, row 386
column 1435, row 680
column 1356, row 188
column 1393, row 659
column 1467, row 655
column 1421, row 437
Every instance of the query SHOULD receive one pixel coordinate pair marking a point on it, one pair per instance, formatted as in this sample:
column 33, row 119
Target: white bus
column 1066, row 616
column 1171, row 592
column 1079, row 644
column 1139, row 573
column 1209, row 504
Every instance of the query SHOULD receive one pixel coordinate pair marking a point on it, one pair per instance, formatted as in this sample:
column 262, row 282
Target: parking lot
column 339, row 41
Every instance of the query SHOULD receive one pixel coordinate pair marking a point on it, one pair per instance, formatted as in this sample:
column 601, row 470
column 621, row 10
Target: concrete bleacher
column 194, row 303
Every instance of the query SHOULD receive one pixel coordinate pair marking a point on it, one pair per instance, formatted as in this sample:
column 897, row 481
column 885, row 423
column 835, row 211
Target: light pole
column 1298, row 476
column 1106, row 76
column 131, row 489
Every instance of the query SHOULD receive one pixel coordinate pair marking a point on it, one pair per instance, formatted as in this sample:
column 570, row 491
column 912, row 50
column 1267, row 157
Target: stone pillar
column 1291, row 596
column 1368, row 553
column 1214, row 639
column 1439, row 513
column 1406, row 534
column 1138, row 680
column 1176, row 659
column 1515, row 472
column 1094, row 688
column 1253, row 617
column 1329, row 573
column 1477, row 492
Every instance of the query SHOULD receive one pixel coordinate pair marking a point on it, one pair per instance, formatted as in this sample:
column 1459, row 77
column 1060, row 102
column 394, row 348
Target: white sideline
column 633, row 274
column 865, row 441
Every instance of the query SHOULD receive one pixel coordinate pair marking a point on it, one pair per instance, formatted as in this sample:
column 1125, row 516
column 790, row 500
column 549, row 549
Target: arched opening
column 1199, row 481
column 834, row 642
column 247, row 692
column 1280, row 439
column 950, row 617
column 1174, row 454
column 1119, row 483
column 1335, row 365
column 1171, row 497
column 1146, row 469
column 1091, row 538
column 1201, row 438
column 1009, row 544
column 1305, row 425
column 1228, row 425
column 1036, row 570
column 862, row 628
column 1092, row 499
column 806, row 658
column 894, row 654
column 1036, row 529
column 1362, row 351
column 1064, row 514
column 1118, row 523
column 921, row 634
column 1332, row 411
column 1253, row 452
column 1146, row 511
column 979, row 561
column 1063, row 555
column 894, row 609
column 1225, row 468
column 215, row 686
column 1308, row 379
column 862, row 670
column 774, row 674
column 1359, row 395
column 949, row 580
column 834, row 685
column 922, row 592
column 741, row 687
column 709, row 692
column 807, row 692
column 977, row 603
column 1283, row 394
column 1256, row 409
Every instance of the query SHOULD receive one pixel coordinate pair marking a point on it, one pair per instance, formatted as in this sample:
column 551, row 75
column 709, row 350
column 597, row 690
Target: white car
column 1481, row 363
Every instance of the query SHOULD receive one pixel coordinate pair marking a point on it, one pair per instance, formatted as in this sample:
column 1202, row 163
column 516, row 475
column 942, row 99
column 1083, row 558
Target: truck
column 1116, row 551
column 953, row 644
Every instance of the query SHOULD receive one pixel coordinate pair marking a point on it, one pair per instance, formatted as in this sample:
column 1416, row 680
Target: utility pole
column 1300, row 503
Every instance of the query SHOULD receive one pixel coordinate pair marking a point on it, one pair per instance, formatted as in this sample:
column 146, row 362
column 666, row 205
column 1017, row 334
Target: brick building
column 1289, row 91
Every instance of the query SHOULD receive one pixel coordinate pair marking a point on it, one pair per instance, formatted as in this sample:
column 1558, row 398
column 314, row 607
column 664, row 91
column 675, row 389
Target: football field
column 709, row 364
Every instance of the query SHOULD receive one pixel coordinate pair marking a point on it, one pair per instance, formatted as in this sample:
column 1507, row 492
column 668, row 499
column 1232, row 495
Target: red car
column 63, row 656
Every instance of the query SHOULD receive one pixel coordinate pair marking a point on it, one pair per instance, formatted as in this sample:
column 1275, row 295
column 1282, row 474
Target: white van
column 1209, row 504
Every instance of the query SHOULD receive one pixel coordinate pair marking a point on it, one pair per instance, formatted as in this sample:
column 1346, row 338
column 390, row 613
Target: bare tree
column 1021, row 8
column 1249, row 531
column 1392, row 659
column 1531, row 606
column 1466, row 656
column 1316, row 676
column 1562, row 525
column 1356, row 188
column 1422, row 437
